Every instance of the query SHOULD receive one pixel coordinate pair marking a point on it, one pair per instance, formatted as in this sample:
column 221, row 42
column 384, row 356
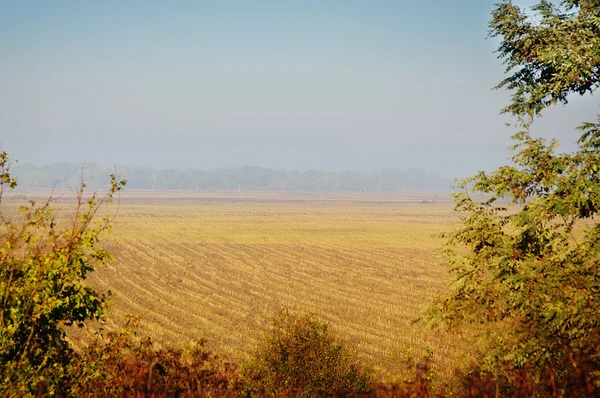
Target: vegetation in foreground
column 300, row 356
column 527, row 275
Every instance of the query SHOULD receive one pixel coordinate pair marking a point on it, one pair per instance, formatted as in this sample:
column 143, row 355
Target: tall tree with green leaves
column 44, row 261
column 526, row 260
column 549, row 57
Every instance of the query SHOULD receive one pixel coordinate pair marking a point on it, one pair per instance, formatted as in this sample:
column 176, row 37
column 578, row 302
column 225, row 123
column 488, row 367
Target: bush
column 300, row 357
column 120, row 364
column 43, row 266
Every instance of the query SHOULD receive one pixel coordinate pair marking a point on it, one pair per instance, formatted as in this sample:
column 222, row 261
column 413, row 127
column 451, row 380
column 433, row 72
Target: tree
column 549, row 60
column 526, row 260
column 43, row 265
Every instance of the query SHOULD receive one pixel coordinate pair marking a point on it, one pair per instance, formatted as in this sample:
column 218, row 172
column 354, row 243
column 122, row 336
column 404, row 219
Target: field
column 220, row 267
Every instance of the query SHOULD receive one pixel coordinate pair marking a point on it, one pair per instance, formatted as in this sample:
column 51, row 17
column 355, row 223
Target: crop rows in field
column 220, row 272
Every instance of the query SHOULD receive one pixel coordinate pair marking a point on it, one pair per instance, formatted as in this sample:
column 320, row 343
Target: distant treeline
column 68, row 176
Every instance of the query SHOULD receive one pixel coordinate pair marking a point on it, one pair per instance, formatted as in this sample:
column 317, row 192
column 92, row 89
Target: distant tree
column 139, row 178
column 527, row 275
column 43, row 265
column 250, row 178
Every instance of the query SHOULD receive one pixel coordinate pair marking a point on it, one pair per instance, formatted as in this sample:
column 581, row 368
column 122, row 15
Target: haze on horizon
column 335, row 85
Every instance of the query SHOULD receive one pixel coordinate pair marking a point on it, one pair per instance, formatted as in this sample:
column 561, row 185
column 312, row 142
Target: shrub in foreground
column 44, row 262
column 301, row 357
column 119, row 364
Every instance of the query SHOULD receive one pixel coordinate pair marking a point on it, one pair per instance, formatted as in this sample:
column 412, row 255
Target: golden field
column 220, row 268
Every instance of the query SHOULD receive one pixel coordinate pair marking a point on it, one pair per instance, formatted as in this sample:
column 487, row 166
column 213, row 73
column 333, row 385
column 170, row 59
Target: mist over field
column 69, row 175
column 330, row 86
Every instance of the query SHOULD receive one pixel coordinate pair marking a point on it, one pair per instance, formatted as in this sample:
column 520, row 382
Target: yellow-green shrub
column 301, row 357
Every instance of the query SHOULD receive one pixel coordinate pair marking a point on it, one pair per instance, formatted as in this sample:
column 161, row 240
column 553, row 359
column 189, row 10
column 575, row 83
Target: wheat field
column 220, row 269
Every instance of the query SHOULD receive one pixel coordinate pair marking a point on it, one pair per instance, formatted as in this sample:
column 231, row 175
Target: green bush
column 43, row 266
column 300, row 357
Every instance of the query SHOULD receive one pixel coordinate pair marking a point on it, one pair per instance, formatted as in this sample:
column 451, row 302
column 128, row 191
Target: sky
column 331, row 85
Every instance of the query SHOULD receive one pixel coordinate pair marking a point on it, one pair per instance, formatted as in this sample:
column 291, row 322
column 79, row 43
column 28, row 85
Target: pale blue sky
column 336, row 85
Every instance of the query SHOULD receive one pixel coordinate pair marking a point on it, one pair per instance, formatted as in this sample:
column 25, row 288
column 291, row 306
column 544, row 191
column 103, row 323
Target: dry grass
column 220, row 270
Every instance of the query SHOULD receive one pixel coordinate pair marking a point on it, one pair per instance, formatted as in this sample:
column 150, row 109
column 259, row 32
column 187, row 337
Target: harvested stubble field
column 220, row 269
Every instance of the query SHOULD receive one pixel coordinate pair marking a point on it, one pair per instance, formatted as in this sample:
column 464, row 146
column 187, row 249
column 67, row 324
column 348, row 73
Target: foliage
column 43, row 266
column 526, row 259
column 524, row 383
column 120, row 364
column 300, row 357
column 549, row 59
